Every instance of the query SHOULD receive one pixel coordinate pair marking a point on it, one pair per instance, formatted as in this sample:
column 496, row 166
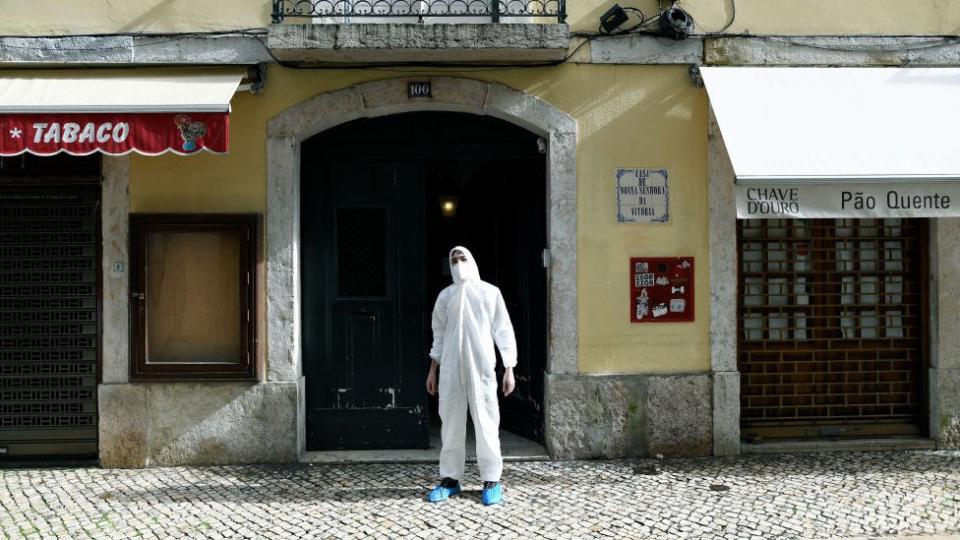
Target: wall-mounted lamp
column 448, row 206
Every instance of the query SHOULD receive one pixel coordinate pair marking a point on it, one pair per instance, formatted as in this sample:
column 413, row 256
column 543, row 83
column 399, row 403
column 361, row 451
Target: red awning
column 83, row 114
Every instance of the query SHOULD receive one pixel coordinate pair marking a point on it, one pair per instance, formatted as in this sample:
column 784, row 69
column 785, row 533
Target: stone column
column 723, row 295
column 283, row 260
column 123, row 411
column 944, row 309
column 114, row 217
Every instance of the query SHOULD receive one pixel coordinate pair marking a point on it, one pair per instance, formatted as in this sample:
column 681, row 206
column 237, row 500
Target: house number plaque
column 419, row 89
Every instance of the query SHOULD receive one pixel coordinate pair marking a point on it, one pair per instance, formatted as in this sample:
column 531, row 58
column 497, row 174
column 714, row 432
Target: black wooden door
column 519, row 238
column 363, row 288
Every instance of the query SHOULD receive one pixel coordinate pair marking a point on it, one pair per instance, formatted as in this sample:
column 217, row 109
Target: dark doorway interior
column 374, row 246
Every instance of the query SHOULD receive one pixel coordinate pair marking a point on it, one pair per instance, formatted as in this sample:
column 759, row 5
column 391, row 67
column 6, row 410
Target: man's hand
column 432, row 379
column 508, row 382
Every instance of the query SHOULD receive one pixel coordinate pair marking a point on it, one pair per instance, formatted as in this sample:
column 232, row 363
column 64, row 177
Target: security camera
column 675, row 23
column 541, row 145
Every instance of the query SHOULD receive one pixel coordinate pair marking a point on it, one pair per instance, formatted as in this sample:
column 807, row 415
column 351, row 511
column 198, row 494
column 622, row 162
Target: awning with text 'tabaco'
column 80, row 114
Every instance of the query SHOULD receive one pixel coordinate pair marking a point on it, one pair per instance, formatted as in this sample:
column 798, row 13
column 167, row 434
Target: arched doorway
column 374, row 237
column 288, row 130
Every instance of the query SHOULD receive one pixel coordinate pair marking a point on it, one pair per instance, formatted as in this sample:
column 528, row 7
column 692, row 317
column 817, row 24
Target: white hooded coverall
column 469, row 316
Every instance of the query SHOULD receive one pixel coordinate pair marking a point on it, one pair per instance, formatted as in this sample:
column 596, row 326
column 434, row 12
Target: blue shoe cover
column 441, row 493
column 492, row 495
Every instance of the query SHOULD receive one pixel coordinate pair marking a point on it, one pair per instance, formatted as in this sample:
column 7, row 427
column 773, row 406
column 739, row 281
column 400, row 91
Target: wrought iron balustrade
column 492, row 10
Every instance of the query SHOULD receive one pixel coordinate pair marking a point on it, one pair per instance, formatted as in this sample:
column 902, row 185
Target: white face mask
column 460, row 271
column 464, row 270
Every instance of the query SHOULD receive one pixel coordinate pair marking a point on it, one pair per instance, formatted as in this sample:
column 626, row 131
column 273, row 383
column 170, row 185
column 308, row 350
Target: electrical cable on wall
column 733, row 17
column 644, row 26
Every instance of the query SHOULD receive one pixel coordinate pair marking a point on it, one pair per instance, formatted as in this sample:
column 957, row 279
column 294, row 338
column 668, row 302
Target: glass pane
column 753, row 326
column 752, row 257
column 868, row 290
column 779, row 292
column 362, row 252
column 892, row 226
column 844, row 256
column 776, row 228
column 894, row 324
column 868, row 256
column 776, row 257
column 848, row 290
column 753, row 291
column 779, row 323
column 800, row 292
column 844, row 227
column 893, row 255
column 893, row 286
column 752, row 228
column 800, row 256
column 848, row 325
column 868, row 324
column 800, row 325
column 868, row 228
column 193, row 297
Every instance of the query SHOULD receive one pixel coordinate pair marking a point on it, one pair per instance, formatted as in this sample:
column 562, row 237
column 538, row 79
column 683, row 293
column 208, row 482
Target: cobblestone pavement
column 799, row 496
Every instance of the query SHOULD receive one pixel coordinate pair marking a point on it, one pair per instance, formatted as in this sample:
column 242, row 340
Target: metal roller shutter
column 831, row 327
column 48, row 320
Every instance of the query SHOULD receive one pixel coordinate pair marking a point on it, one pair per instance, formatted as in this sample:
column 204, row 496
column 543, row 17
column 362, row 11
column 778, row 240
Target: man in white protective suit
column 468, row 318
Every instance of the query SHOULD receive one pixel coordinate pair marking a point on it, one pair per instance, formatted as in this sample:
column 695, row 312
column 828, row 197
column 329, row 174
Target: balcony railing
column 492, row 10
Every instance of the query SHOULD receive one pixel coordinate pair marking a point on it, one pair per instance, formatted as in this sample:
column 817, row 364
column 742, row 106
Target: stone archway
column 286, row 131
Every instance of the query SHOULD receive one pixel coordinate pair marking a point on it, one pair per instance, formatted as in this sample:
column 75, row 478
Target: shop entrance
column 382, row 202
column 49, row 306
column 831, row 327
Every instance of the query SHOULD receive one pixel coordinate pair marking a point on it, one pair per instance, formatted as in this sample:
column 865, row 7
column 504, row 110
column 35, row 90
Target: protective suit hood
column 464, row 270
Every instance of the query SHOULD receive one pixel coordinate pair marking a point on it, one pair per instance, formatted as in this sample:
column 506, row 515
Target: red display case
column 661, row 289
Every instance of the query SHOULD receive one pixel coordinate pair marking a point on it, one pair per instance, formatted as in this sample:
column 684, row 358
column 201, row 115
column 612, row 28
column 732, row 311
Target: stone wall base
column 945, row 407
column 170, row 424
column 615, row 416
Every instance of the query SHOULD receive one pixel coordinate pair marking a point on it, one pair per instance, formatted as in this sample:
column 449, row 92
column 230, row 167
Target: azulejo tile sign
column 643, row 196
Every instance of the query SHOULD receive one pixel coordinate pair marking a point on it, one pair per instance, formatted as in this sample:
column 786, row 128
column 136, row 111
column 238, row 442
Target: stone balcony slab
column 420, row 43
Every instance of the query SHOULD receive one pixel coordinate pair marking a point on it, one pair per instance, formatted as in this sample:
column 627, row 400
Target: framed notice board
column 661, row 289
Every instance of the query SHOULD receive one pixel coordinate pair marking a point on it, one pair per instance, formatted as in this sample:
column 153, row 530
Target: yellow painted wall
column 628, row 116
column 789, row 17
column 59, row 17
column 793, row 17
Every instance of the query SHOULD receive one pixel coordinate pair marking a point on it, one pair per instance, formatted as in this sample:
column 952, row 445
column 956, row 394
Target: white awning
column 840, row 142
column 784, row 124
column 140, row 93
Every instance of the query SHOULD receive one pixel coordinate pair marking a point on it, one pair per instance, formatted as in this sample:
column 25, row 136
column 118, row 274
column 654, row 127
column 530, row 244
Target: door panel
column 520, row 231
column 501, row 217
column 362, row 265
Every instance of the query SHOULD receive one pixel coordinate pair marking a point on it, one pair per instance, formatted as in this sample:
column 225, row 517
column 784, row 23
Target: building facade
column 166, row 304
